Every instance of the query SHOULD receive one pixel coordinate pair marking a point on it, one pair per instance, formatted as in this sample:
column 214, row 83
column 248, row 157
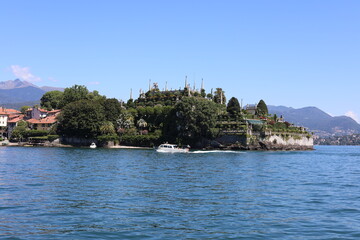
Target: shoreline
column 254, row 149
column 10, row 144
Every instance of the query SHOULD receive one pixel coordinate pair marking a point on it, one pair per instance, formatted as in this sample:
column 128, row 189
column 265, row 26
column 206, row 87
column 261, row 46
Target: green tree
column 73, row 94
column 24, row 108
column 95, row 95
column 51, row 100
column 125, row 120
column 19, row 131
column 262, row 109
column 233, row 106
column 219, row 96
column 112, row 109
column 194, row 118
column 141, row 123
column 107, row 128
column 82, row 118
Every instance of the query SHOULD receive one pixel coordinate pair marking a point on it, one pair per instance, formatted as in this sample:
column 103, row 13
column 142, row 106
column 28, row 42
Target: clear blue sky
column 292, row 53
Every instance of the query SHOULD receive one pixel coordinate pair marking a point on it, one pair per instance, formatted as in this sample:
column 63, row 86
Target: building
column 251, row 108
column 36, row 113
column 43, row 123
column 4, row 115
column 12, row 123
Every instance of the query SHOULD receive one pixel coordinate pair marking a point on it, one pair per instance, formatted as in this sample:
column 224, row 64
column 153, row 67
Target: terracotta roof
column 54, row 111
column 50, row 119
column 40, row 109
column 11, row 111
column 16, row 119
column 3, row 111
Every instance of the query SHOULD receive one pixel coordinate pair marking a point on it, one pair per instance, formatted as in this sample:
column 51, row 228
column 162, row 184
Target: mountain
column 17, row 83
column 17, row 93
column 316, row 120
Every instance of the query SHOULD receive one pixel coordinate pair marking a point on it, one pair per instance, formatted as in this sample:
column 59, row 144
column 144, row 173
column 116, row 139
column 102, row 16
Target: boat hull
column 185, row 150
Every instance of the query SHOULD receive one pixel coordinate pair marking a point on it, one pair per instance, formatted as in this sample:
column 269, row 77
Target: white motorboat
column 93, row 145
column 172, row 148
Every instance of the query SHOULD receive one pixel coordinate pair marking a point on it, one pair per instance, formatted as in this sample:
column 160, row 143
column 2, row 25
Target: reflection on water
column 54, row 193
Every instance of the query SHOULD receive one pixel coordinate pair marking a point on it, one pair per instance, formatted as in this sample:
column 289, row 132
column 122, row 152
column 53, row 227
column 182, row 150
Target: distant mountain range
column 319, row 122
column 17, row 93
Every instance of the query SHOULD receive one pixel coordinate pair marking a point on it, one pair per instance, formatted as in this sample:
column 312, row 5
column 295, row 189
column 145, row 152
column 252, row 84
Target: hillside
column 17, row 93
column 318, row 121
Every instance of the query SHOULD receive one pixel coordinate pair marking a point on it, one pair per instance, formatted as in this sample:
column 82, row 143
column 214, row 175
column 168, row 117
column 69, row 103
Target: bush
column 52, row 137
column 108, row 138
column 35, row 133
column 1, row 139
column 39, row 138
column 141, row 140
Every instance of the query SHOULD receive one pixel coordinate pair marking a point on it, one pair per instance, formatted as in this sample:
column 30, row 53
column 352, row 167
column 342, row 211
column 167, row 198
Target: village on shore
column 188, row 116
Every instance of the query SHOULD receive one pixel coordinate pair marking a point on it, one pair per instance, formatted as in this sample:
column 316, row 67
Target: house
column 12, row 123
column 53, row 112
column 251, row 108
column 36, row 113
column 5, row 115
column 43, row 123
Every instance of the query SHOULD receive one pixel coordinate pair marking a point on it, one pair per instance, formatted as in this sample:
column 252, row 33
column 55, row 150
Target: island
column 185, row 116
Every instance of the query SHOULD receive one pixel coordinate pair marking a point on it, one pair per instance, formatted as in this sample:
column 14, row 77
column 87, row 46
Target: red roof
column 40, row 109
column 54, row 111
column 16, row 119
column 11, row 111
column 50, row 119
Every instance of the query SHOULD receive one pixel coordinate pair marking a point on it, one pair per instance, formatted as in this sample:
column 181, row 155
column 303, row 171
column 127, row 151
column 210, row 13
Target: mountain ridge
column 17, row 93
column 316, row 120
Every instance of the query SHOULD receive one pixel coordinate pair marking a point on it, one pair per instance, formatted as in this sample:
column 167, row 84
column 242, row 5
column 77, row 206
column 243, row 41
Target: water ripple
column 140, row 194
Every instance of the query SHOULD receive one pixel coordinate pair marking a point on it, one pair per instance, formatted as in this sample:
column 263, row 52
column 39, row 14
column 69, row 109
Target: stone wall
column 77, row 141
column 264, row 142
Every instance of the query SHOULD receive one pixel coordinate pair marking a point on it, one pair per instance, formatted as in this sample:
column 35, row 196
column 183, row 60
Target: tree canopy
column 112, row 109
column 51, row 100
column 73, row 94
column 194, row 117
column 82, row 118
column 262, row 109
column 219, row 96
column 233, row 106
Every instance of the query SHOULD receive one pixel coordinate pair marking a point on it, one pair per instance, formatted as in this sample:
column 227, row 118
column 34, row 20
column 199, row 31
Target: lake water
column 70, row 193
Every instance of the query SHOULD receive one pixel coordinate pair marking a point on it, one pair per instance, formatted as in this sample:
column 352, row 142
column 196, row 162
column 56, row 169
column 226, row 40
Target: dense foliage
column 51, row 100
column 262, row 108
column 81, row 118
column 179, row 116
column 233, row 106
column 194, row 118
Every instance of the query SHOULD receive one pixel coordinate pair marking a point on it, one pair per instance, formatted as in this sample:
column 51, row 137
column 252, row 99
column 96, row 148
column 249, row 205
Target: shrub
column 35, row 133
column 52, row 137
column 108, row 138
column 141, row 140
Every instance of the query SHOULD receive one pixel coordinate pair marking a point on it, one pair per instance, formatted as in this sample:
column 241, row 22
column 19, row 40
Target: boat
column 93, row 145
column 172, row 148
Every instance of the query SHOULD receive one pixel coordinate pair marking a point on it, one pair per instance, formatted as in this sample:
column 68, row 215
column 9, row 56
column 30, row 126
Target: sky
column 290, row 53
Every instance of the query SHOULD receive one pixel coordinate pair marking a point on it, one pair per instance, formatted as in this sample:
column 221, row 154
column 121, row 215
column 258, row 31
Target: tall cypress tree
column 233, row 106
column 262, row 109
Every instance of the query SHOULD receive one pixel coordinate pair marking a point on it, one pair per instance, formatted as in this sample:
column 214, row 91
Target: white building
column 3, row 117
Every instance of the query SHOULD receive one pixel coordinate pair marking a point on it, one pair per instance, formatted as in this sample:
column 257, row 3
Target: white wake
column 216, row 151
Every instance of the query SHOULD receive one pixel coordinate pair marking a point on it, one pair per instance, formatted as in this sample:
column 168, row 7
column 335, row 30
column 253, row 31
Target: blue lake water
column 70, row 193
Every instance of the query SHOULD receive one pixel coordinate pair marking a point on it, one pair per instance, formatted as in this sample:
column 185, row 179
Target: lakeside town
column 187, row 116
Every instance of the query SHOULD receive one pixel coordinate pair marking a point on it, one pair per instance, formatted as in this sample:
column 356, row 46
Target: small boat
column 172, row 148
column 93, row 145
